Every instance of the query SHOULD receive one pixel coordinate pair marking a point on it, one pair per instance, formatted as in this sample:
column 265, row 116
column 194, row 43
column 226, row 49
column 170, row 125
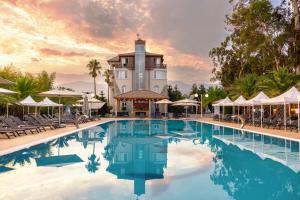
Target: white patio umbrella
column 258, row 100
column 60, row 94
column 86, row 106
column 225, row 102
column 5, row 81
column 6, row 91
column 186, row 104
column 165, row 102
column 91, row 104
column 46, row 102
column 90, row 100
column 283, row 99
column 239, row 102
column 29, row 102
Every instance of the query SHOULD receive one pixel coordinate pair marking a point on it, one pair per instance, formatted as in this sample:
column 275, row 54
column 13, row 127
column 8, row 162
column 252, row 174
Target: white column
column 253, row 115
column 7, row 110
column 298, row 118
column 238, row 115
column 261, row 115
column 116, row 107
column 284, row 110
column 149, row 108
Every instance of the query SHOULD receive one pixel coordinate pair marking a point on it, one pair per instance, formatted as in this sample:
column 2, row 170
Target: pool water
column 155, row 159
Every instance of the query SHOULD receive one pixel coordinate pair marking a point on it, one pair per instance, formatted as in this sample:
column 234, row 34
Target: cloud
column 191, row 26
column 54, row 52
column 99, row 19
column 59, row 34
column 190, row 74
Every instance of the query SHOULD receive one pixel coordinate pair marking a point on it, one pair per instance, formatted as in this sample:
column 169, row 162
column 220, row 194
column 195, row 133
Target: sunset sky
column 63, row 35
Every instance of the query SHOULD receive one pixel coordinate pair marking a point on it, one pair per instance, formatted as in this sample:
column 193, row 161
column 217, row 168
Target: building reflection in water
column 135, row 154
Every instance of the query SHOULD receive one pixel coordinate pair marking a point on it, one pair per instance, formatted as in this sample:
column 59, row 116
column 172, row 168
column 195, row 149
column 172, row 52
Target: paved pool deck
column 21, row 142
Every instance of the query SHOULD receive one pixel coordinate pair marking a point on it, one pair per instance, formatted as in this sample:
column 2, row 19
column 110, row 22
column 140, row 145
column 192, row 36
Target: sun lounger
column 21, row 123
column 32, row 121
column 11, row 124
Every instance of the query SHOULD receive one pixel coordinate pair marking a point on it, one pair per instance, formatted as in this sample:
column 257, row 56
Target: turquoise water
column 154, row 160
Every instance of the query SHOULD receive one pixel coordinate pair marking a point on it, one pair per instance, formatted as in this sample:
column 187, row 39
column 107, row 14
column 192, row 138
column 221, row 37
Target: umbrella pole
column 23, row 112
column 284, row 110
column 270, row 115
column 290, row 114
column 166, row 107
column 59, row 112
column 261, row 115
column 223, row 113
column 186, row 111
column 298, row 117
column 238, row 115
column 253, row 115
column 233, row 112
column 7, row 110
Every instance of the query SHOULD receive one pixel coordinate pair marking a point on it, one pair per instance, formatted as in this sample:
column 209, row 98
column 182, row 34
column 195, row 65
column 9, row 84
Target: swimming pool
column 154, row 159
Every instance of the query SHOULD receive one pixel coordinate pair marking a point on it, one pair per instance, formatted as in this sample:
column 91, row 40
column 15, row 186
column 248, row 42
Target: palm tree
column 278, row 81
column 94, row 70
column 245, row 86
column 108, row 80
column 25, row 86
column 93, row 165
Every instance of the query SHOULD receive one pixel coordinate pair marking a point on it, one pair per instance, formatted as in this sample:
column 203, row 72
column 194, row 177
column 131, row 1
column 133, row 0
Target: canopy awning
column 48, row 103
column 91, row 100
column 6, row 91
column 187, row 101
column 290, row 96
column 224, row 102
column 257, row 100
column 140, row 94
column 185, row 104
column 28, row 101
column 164, row 101
column 239, row 101
column 60, row 93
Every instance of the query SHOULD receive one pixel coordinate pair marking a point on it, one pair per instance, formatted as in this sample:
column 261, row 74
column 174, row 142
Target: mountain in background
column 85, row 83
column 84, row 86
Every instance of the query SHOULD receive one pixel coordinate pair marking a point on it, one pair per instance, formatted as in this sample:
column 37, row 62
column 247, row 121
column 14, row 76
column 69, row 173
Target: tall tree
column 296, row 33
column 108, row 80
column 257, row 41
column 194, row 89
column 278, row 81
column 94, row 70
column 246, row 86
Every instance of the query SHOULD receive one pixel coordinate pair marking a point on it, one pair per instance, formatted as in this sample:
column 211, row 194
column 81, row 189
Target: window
column 122, row 74
column 122, row 157
column 157, row 61
column 156, row 88
column 160, row 74
column 123, row 89
column 124, row 62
